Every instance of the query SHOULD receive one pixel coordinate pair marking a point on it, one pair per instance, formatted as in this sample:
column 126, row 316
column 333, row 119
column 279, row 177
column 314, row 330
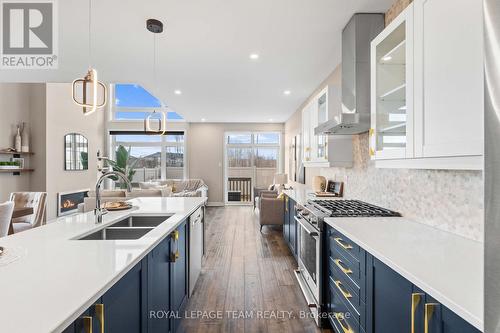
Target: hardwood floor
column 247, row 282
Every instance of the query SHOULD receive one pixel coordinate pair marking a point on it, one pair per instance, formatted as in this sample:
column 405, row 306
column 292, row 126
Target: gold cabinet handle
column 344, row 325
column 87, row 324
column 428, row 313
column 341, row 289
column 415, row 300
column 342, row 267
column 372, row 152
column 99, row 311
column 175, row 234
column 372, row 131
column 342, row 243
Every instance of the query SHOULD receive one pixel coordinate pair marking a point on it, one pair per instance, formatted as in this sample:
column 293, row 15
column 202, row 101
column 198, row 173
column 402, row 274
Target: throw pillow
column 166, row 190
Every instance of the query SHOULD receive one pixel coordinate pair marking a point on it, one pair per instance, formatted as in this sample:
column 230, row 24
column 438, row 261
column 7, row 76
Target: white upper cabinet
column 449, row 93
column 324, row 150
column 391, row 135
column 427, row 87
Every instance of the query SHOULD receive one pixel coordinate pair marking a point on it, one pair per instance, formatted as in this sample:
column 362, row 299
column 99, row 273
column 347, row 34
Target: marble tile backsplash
column 446, row 199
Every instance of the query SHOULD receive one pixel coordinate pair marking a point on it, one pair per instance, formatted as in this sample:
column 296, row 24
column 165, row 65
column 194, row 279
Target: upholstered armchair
column 6, row 210
column 272, row 209
column 36, row 200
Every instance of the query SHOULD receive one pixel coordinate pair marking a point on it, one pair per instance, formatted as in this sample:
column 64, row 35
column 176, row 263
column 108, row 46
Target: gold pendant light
column 155, row 27
column 86, row 90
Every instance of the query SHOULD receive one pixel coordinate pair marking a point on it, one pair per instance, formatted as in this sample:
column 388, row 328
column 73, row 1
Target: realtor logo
column 29, row 34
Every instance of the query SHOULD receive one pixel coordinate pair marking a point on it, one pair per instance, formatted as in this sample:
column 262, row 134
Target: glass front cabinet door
column 391, row 133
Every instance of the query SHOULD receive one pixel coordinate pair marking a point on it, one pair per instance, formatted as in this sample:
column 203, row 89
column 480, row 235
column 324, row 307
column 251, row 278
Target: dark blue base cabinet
column 290, row 226
column 362, row 294
column 149, row 298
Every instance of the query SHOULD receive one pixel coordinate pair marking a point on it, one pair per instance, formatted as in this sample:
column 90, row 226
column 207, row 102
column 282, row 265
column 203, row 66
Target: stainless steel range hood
column 354, row 116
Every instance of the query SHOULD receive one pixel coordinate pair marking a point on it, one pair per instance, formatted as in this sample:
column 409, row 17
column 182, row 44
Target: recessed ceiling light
column 203, row 119
column 254, row 56
column 387, row 58
column 270, row 119
column 287, row 92
column 177, row 92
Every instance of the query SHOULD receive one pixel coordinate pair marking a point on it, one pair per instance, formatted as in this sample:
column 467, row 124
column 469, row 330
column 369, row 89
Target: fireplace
column 67, row 202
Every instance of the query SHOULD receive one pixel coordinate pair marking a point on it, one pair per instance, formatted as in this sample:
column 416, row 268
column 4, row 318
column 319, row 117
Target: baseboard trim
column 215, row 204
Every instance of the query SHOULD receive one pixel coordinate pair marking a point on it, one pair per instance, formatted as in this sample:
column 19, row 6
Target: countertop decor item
column 117, row 205
column 80, row 86
column 17, row 140
column 25, row 138
column 319, row 184
column 9, row 165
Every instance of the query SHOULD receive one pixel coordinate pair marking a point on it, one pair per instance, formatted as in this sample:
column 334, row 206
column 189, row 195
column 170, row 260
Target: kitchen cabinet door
column 449, row 90
column 286, row 222
column 293, row 227
column 388, row 299
column 440, row 319
column 124, row 303
column 179, row 278
column 159, row 285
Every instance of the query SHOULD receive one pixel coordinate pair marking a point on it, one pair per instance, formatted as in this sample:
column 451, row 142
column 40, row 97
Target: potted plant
column 9, row 165
column 123, row 164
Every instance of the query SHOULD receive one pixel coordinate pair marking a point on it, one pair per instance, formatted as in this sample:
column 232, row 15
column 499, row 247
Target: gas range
column 314, row 211
column 310, row 224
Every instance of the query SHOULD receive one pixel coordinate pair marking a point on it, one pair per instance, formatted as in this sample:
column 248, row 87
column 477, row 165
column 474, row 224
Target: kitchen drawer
column 345, row 246
column 353, row 270
column 349, row 296
column 337, row 274
column 350, row 319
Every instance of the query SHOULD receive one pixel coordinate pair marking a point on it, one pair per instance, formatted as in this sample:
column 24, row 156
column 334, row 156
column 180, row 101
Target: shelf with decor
column 17, row 164
column 16, row 170
column 6, row 152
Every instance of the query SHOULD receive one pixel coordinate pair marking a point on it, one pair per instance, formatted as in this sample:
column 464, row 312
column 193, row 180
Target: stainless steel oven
column 309, row 272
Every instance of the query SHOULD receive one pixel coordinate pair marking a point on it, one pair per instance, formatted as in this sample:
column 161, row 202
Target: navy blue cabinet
column 125, row 303
column 290, row 226
column 179, row 280
column 159, row 286
column 362, row 294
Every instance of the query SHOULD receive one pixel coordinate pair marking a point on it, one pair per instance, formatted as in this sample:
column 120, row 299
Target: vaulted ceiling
column 204, row 51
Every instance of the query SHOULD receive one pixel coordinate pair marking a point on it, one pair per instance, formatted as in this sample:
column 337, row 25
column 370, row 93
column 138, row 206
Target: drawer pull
column 345, row 293
column 428, row 313
column 342, row 267
column 344, row 325
column 415, row 299
column 87, row 324
column 342, row 243
column 99, row 309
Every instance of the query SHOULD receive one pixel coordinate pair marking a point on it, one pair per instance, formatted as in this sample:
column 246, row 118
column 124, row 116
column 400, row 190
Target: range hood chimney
column 354, row 117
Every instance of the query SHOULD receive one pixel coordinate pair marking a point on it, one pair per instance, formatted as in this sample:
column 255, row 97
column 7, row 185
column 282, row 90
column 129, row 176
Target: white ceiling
column 204, row 51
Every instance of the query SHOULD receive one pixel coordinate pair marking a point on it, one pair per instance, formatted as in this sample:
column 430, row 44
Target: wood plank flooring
column 247, row 282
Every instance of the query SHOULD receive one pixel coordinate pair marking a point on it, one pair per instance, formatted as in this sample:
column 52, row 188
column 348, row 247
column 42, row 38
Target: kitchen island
column 58, row 276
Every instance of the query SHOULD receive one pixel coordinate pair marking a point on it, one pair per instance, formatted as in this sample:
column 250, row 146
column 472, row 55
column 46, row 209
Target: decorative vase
column 25, row 139
column 319, row 183
column 17, row 140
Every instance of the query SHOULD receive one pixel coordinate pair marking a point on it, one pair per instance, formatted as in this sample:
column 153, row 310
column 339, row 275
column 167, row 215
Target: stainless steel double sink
column 133, row 227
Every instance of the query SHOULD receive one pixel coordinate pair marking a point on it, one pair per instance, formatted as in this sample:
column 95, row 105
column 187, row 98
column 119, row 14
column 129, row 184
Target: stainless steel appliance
column 354, row 116
column 492, row 165
column 310, row 220
column 195, row 247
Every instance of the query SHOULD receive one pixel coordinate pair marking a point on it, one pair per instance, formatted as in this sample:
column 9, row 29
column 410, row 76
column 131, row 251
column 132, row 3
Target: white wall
column 18, row 103
column 64, row 117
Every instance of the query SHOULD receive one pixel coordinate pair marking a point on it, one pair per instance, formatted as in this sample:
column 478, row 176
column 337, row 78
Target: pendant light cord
column 90, row 34
column 154, row 63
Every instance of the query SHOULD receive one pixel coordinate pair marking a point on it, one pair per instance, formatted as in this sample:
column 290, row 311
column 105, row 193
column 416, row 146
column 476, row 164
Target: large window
column 133, row 102
column 153, row 156
column 252, row 160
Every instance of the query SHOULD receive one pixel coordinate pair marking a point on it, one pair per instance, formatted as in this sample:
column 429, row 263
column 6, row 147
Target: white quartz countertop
column 58, row 277
column 446, row 266
column 300, row 194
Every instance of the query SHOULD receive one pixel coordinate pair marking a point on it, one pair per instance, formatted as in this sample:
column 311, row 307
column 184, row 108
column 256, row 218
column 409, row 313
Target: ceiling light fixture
column 177, row 92
column 287, row 92
column 89, row 100
column 254, row 56
column 203, row 119
column 387, row 58
column 155, row 27
column 271, row 120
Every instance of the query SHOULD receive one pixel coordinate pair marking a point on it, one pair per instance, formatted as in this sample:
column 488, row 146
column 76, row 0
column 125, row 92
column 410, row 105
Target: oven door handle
column 310, row 231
